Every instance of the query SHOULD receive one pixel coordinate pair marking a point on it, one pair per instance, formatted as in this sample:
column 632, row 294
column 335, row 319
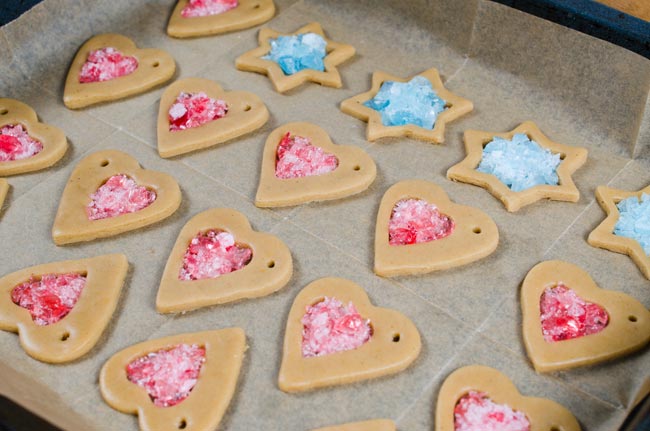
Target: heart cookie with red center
column 246, row 14
column 152, row 67
column 197, row 274
column 244, row 112
column 373, row 425
column 465, row 234
column 352, row 172
column 16, row 118
column 80, row 219
column 393, row 343
column 491, row 389
column 76, row 329
column 624, row 329
column 209, row 397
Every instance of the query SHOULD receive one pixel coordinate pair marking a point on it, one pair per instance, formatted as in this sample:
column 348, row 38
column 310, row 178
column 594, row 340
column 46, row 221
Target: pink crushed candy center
column 119, row 195
column 297, row 157
column 106, row 64
column 16, row 144
column 51, row 298
column 196, row 8
column 414, row 221
column 212, row 254
column 330, row 327
column 168, row 375
column 195, row 109
column 476, row 412
column 564, row 315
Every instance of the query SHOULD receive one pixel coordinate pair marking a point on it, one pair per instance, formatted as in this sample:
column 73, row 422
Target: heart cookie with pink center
column 568, row 321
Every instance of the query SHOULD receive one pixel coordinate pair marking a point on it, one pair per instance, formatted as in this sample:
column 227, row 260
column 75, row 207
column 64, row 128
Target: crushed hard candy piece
column 196, row 8
column 634, row 220
column 564, row 315
column 415, row 220
column 330, row 327
column 297, row 157
column 16, row 144
column 298, row 52
column 520, row 163
column 119, row 195
column 212, row 254
column 168, row 375
column 195, row 109
column 50, row 298
column 413, row 102
column 476, row 412
column 106, row 64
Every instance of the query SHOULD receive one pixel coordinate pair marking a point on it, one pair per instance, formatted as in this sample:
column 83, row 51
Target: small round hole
column 65, row 336
column 271, row 264
column 257, row 6
column 562, row 156
column 247, row 108
column 357, row 168
column 182, row 424
column 476, row 230
column 632, row 318
column 396, row 338
column 4, row 111
column 156, row 64
column 555, row 428
column 104, row 163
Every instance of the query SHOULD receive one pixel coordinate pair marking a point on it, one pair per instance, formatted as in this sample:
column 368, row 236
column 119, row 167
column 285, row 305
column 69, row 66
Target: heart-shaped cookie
column 474, row 236
column 246, row 113
column 77, row 332
column 355, row 171
column 247, row 13
column 55, row 144
column 627, row 330
column 72, row 223
column 269, row 269
column 206, row 404
column 542, row 414
column 393, row 345
column 373, row 425
column 154, row 67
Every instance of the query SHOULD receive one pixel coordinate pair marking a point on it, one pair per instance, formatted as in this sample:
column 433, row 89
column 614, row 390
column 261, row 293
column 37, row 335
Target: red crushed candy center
column 196, row 8
column 168, row 375
column 51, row 298
column 330, row 327
column 106, row 64
column 195, row 109
column 119, row 195
column 212, row 254
column 476, row 412
column 16, row 144
column 297, row 157
column 414, row 221
column 564, row 315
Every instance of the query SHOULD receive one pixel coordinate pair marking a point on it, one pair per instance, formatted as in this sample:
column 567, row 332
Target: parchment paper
column 513, row 66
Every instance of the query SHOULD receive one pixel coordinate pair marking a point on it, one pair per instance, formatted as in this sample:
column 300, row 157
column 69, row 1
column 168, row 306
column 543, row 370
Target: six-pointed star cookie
column 455, row 107
column 337, row 53
column 603, row 236
column 572, row 159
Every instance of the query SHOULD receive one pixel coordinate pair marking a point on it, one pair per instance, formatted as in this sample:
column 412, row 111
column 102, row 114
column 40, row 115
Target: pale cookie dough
column 337, row 53
column 628, row 328
column 72, row 224
column 603, row 236
column 55, row 144
column 206, row 404
column 394, row 345
column 456, row 107
column 572, row 159
column 474, row 237
column 373, row 425
column 246, row 113
column 76, row 333
column 269, row 270
column 543, row 414
column 154, row 68
column 248, row 13
column 4, row 189
column 355, row 172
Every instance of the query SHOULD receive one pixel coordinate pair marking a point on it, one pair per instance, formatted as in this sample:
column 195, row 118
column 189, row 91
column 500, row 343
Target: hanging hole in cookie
column 271, row 264
column 562, row 156
column 556, row 428
column 257, row 6
column 632, row 318
column 156, row 64
column 448, row 105
column 104, row 163
column 247, row 108
column 476, row 230
column 396, row 338
column 182, row 424
column 65, row 336
column 4, row 111
column 357, row 168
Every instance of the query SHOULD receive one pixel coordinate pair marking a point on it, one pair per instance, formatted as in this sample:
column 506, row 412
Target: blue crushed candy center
column 299, row 52
column 634, row 220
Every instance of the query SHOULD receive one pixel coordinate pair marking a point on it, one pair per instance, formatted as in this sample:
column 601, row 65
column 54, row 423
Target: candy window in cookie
column 16, row 144
column 198, row 8
column 475, row 411
column 298, row 52
column 212, row 254
column 634, row 220
column 106, row 64
column 414, row 221
column 195, row 109
column 297, row 157
column 118, row 195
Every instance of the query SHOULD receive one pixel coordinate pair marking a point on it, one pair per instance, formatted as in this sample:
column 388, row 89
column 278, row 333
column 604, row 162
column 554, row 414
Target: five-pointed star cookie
column 455, row 107
column 603, row 236
column 337, row 53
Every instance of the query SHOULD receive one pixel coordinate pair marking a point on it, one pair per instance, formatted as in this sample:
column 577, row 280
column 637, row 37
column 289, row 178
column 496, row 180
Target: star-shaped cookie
column 603, row 236
column 337, row 53
column 455, row 107
column 572, row 158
